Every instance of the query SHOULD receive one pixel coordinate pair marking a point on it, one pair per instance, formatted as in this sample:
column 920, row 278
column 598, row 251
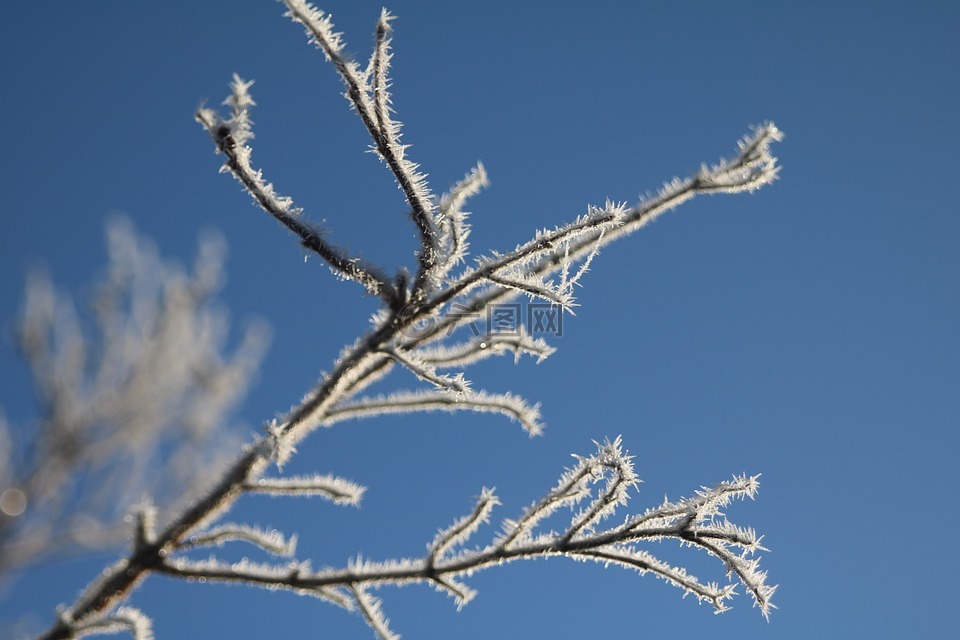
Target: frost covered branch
column 137, row 406
column 231, row 137
column 419, row 327
column 506, row 404
column 697, row 522
column 752, row 168
column 124, row 619
column 368, row 93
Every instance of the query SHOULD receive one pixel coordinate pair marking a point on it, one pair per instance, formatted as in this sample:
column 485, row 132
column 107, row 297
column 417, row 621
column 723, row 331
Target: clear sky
column 806, row 332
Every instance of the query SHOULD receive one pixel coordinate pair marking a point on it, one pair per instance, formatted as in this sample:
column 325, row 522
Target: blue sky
column 806, row 332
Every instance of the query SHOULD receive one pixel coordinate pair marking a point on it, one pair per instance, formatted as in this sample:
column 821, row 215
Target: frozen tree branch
column 338, row 490
column 697, row 522
column 414, row 329
column 370, row 608
column 125, row 619
column 482, row 347
column 506, row 404
column 754, row 165
column 152, row 374
column 273, row 542
column 231, row 138
column 461, row 530
column 455, row 384
column 367, row 93
column 453, row 219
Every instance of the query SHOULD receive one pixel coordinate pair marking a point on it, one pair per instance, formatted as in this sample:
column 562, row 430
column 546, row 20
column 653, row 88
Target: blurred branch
column 137, row 404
